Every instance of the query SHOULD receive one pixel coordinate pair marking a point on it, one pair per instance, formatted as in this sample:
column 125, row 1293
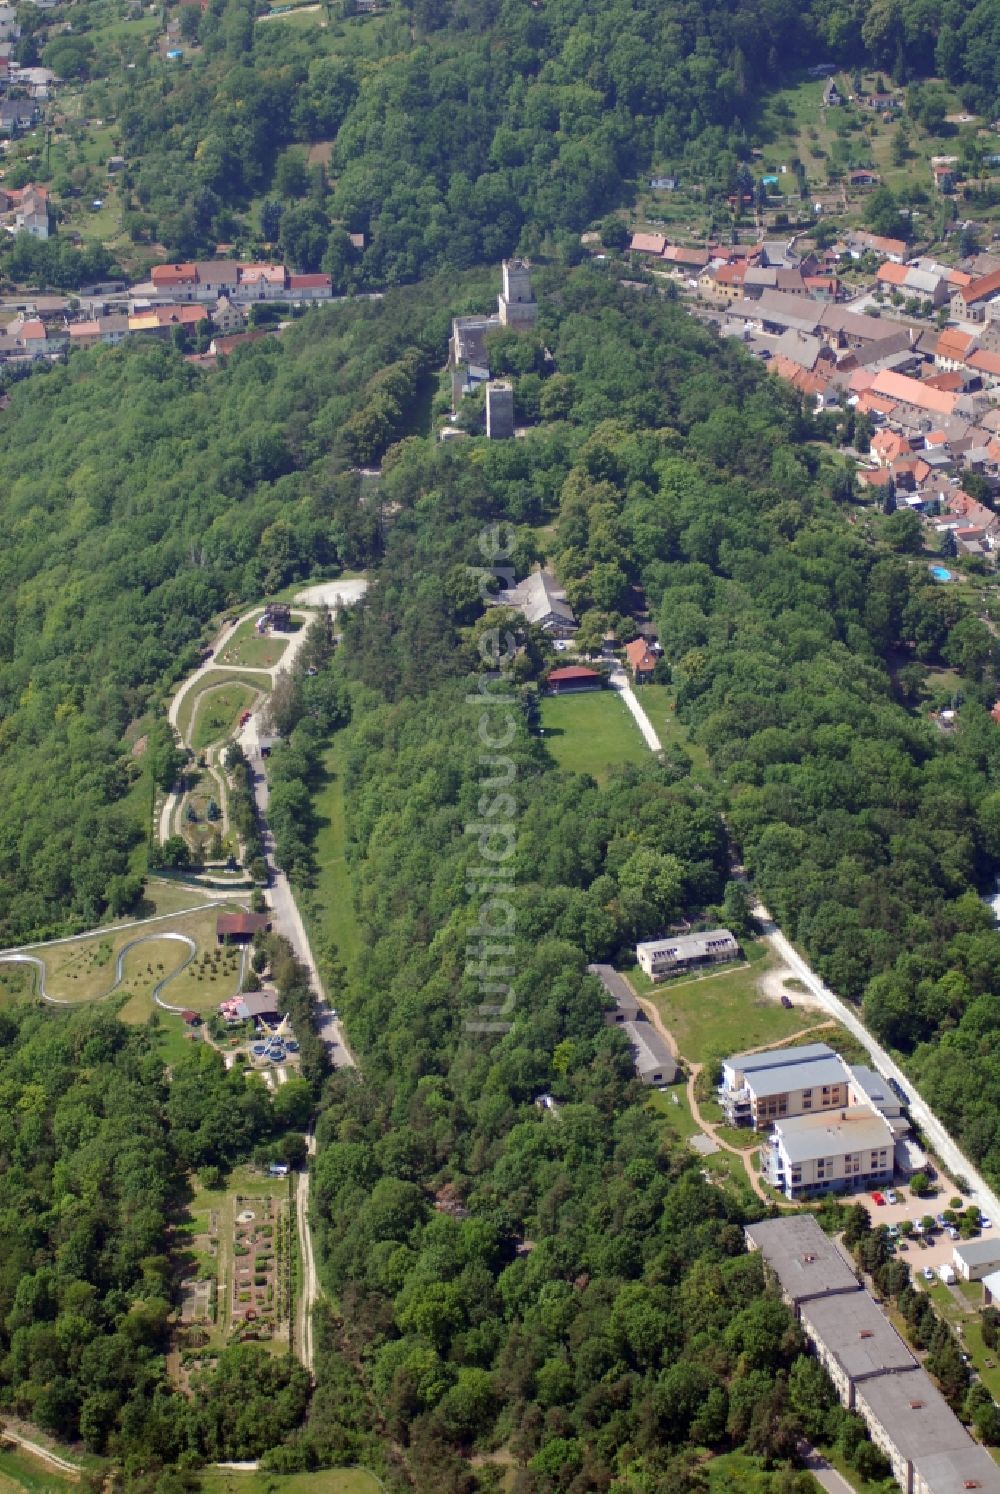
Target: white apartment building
column 823, row 1153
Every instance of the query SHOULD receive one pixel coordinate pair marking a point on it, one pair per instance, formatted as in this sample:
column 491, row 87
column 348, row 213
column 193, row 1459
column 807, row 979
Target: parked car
column 877, row 1198
column 892, row 1196
column 928, row 1273
column 942, row 1221
column 985, row 1223
column 245, row 717
column 893, row 1231
column 786, row 1000
column 953, row 1233
column 947, row 1274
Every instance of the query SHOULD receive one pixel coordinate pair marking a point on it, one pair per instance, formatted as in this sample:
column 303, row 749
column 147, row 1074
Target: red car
column 245, row 717
column 877, row 1198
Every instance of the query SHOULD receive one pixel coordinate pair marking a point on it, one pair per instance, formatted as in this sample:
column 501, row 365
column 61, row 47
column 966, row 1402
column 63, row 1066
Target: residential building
column 654, row 1062
column 758, row 1087
column 974, row 1259
column 927, row 286
column 853, row 1341
column 641, row 660
column 541, row 601
column 828, row 1152
column 832, row 95
column 972, row 303
column 991, row 1283
column 227, row 316
column 499, row 410
column 872, row 1369
column 262, row 282
column 215, row 278
column 179, row 281
column 806, row 1264
column 661, row 957
column 310, row 287
column 572, row 678
column 953, row 348
column 929, row 1449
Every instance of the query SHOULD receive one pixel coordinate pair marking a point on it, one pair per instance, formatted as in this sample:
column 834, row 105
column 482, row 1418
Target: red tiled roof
column 904, row 390
column 309, row 282
column 174, row 274
column 880, row 478
column 981, row 289
column 241, row 923
column 951, row 383
column 640, row 655
column 892, row 274
column 648, row 243
column 985, row 361
column 573, row 672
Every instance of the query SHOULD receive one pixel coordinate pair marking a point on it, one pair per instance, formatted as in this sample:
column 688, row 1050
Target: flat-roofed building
column 805, row 1263
column 929, row 1449
column 974, row 1259
column 853, row 1340
column 831, row 1152
column 869, row 1088
column 761, row 1088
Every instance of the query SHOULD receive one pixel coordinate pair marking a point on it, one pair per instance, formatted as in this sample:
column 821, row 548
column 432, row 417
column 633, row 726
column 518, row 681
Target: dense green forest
column 460, row 130
column 113, row 564
column 95, row 1147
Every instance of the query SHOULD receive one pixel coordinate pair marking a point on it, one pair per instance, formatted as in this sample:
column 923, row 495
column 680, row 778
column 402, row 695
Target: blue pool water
column 940, row 573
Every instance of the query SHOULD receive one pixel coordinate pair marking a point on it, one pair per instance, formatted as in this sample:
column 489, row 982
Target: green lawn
column 658, row 703
column 217, row 713
column 725, row 1013
column 732, row 1471
column 22, row 1474
column 329, row 908
column 248, row 648
column 591, row 733
column 213, row 677
column 674, row 1113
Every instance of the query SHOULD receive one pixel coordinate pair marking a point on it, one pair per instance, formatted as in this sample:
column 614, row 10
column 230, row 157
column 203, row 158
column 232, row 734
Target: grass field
column 329, row 909
column 330, row 1481
column 248, row 648
column 22, row 1474
column 212, row 678
column 591, row 733
column 84, row 969
column 217, row 713
column 724, row 1012
column 658, row 703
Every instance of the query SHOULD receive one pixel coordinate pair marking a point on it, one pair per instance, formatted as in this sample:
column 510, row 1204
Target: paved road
column 286, row 912
column 939, row 1140
column 621, row 682
column 825, row 1475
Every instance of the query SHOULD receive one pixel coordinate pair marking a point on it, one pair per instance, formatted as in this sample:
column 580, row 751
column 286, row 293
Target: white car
column 560, row 645
column 928, row 1274
column 985, row 1223
column 892, row 1197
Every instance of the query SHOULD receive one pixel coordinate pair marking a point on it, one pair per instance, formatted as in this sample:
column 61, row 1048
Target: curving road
column 19, row 957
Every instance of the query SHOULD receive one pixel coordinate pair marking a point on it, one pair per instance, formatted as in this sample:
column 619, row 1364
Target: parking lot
column 935, row 1250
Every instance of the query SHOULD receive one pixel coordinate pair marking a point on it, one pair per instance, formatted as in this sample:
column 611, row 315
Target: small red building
column 574, row 677
column 239, row 928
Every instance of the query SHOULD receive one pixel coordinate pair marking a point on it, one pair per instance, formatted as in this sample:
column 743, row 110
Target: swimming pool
column 940, row 573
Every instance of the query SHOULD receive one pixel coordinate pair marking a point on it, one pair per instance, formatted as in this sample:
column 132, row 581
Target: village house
column 541, row 601
column 310, row 287
column 641, row 660
column 953, row 347
column 261, row 282
column 927, row 286
column 977, row 302
column 864, row 178
column 654, row 1062
column 228, row 317
column 832, row 95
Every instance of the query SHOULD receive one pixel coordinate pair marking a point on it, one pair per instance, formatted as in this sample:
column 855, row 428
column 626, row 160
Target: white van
column 947, row 1275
